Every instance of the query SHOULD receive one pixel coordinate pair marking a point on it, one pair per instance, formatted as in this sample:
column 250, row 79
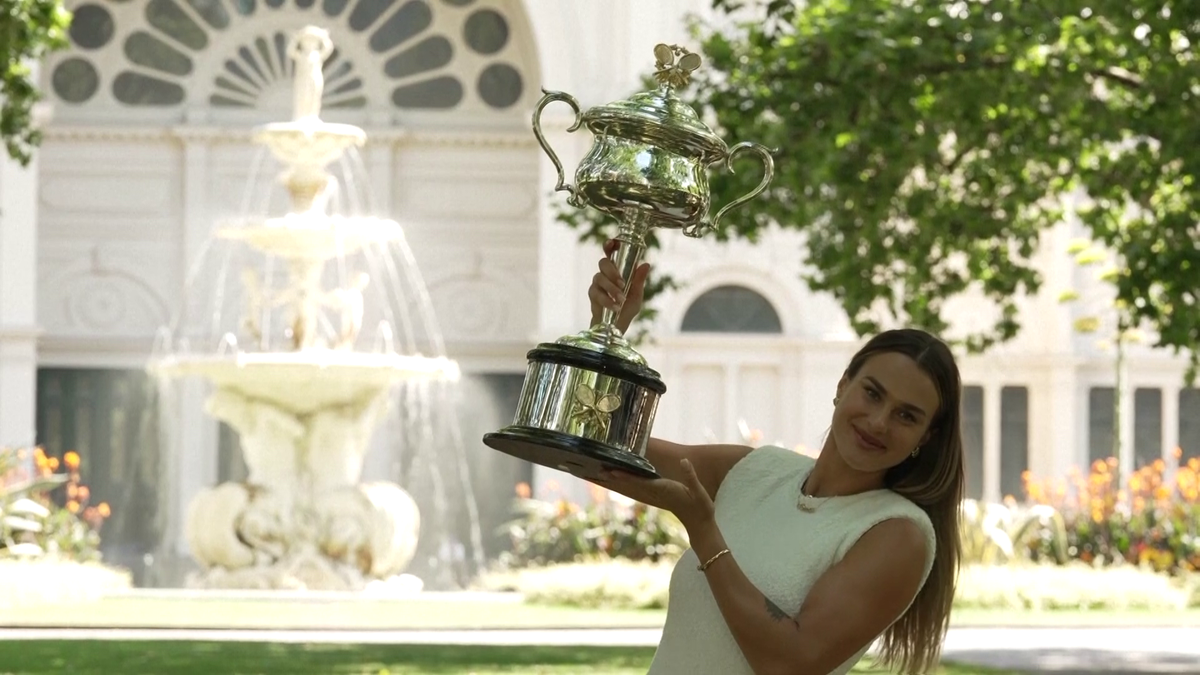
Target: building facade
column 147, row 146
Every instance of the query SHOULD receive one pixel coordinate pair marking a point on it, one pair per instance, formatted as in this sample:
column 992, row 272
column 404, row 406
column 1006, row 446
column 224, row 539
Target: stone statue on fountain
column 308, row 49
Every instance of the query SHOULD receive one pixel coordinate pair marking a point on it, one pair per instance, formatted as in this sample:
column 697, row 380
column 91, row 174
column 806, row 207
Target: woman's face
column 883, row 412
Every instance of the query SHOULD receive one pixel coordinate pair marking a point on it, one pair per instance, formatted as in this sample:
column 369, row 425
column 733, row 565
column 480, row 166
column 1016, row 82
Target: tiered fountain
column 324, row 330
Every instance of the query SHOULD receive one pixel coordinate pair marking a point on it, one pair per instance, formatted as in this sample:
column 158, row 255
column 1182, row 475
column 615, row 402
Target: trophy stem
column 631, row 245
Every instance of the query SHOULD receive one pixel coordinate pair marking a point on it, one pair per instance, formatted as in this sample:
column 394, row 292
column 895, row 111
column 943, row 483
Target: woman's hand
column 609, row 291
column 687, row 499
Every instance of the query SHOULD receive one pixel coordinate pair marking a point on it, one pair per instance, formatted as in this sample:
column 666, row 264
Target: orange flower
column 73, row 506
column 84, row 493
column 72, row 459
column 1060, row 490
column 104, row 510
column 523, row 490
column 52, row 463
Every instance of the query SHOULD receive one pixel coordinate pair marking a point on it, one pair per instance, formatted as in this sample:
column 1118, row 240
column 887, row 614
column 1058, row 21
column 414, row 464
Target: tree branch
column 1109, row 74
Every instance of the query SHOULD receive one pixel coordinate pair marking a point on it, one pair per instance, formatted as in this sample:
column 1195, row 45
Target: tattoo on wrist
column 777, row 613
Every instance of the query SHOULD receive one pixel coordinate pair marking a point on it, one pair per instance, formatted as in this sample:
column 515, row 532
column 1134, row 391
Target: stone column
column 991, row 442
column 18, row 296
column 1124, row 394
column 1170, row 430
column 1062, row 448
column 1170, row 421
column 192, row 436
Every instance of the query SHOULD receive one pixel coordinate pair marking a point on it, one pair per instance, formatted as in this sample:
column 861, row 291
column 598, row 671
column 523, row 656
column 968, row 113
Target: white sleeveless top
column 781, row 549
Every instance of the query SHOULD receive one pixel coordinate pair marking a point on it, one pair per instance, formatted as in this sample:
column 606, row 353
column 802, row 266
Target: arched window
column 731, row 309
column 389, row 54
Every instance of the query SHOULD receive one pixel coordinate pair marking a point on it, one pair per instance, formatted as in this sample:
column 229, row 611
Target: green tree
column 924, row 146
column 29, row 30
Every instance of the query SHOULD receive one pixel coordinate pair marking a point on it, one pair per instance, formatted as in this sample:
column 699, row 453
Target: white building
column 147, row 145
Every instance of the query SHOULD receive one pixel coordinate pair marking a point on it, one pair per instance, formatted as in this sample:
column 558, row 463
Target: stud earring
column 916, row 452
column 835, row 400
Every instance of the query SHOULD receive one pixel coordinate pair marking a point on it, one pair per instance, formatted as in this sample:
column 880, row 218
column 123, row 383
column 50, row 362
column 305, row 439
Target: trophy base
column 577, row 456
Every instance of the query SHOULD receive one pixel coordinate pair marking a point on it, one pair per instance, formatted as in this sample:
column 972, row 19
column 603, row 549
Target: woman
column 798, row 565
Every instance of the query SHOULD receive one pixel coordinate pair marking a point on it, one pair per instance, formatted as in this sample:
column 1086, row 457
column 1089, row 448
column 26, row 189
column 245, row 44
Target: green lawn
column 424, row 613
column 431, row 612
column 88, row 657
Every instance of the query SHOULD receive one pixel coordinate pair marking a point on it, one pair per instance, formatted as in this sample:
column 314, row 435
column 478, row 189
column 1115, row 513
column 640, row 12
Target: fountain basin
column 308, row 142
column 303, row 383
column 312, row 237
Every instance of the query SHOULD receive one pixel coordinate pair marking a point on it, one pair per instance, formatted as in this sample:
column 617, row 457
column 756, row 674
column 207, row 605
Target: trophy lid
column 659, row 117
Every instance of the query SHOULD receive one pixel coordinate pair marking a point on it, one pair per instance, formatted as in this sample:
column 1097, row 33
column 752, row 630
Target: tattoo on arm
column 777, row 613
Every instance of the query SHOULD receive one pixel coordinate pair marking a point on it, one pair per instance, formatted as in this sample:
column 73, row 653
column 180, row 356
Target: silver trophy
column 589, row 399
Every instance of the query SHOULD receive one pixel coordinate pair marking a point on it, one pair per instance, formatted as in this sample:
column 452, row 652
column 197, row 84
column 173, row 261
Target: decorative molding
column 471, row 306
column 226, row 135
column 103, row 298
column 16, row 333
column 94, row 351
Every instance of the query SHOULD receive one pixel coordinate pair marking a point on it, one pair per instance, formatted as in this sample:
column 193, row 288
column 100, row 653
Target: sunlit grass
column 102, row 657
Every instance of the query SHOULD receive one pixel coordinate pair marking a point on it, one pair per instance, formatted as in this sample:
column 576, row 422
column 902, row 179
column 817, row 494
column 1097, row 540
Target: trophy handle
column 699, row 229
column 548, row 98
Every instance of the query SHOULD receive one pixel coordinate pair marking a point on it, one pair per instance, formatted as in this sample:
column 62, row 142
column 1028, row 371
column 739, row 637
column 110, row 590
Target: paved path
column 1063, row 651
column 1078, row 651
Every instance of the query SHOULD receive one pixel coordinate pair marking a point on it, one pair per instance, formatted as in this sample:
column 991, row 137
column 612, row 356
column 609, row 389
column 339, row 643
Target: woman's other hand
column 609, row 291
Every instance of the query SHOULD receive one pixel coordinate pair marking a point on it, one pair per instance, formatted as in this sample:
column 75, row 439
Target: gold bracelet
column 704, row 566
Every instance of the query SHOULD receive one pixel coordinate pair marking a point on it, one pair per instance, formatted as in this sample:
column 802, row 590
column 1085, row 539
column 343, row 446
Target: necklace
column 808, row 503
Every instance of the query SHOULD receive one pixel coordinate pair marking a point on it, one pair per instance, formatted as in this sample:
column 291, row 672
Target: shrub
column 33, row 524
column 1154, row 523
column 997, row 533
column 544, row 532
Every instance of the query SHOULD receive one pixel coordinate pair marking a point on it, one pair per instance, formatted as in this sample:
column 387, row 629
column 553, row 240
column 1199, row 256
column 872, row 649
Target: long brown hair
column 934, row 480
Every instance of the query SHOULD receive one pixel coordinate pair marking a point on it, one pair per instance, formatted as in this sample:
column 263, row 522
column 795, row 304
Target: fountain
column 325, row 330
